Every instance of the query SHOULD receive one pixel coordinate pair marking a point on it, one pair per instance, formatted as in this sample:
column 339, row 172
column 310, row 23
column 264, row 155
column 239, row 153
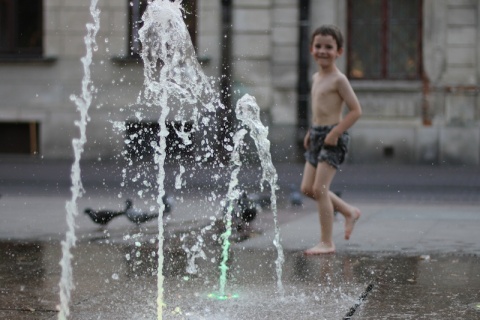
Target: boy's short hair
column 329, row 30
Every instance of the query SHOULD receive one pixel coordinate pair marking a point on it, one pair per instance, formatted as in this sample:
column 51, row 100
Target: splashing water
column 173, row 77
column 83, row 104
column 232, row 195
column 172, row 71
column 248, row 113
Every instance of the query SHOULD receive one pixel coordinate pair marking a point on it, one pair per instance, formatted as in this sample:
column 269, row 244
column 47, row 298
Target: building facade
column 414, row 64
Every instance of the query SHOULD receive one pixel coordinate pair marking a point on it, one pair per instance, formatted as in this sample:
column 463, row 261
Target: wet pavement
column 415, row 253
column 111, row 286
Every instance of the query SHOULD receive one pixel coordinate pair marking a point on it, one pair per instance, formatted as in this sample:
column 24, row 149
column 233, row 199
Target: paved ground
column 405, row 208
column 417, row 244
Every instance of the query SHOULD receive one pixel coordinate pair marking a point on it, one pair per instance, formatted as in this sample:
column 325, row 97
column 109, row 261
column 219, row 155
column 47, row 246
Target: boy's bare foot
column 350, row 222
column 320, row 248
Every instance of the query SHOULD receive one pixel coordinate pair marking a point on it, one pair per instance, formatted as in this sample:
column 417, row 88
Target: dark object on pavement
column 244, row 211
column 247, row 209
column 139, row 216
column 102, row 217
column 263, row 200
column 168, row 203
column 295, row 197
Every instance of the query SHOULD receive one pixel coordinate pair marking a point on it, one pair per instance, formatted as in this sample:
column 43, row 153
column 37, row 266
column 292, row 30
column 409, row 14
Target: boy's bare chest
column 322, row 89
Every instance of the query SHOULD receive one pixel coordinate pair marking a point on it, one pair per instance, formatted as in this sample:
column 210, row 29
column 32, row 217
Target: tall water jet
column 172, row 77
column 248, row 112
column 171, row 71
column 83, row 103
column 232, row 195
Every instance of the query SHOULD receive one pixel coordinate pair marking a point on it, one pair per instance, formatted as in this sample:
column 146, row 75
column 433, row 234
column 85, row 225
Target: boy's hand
column 331, row 139
column 306, row 140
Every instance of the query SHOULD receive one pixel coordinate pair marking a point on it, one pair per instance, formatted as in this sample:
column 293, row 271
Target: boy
column 327, row 140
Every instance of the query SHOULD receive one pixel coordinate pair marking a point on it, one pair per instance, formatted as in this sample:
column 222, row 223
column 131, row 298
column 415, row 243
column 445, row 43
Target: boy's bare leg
column 323, row 178
column 308, row 179
column 351, row 213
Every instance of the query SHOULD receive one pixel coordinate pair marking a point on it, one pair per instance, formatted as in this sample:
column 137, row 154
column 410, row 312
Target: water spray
column 83, row 103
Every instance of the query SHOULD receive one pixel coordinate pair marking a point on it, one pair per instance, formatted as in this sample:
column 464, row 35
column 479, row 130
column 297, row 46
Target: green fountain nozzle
column 222, row 297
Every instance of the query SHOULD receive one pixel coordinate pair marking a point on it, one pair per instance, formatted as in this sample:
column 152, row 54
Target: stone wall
column 434, row 121
column 118, row 84
column 452, row 56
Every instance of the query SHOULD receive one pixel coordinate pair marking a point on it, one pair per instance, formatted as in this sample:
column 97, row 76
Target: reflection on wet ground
column 115, row 279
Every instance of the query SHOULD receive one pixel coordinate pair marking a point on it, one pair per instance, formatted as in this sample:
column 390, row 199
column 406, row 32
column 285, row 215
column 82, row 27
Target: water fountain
column 83, row 104
column 113, row 273
column 172, row 70
column 173, row 76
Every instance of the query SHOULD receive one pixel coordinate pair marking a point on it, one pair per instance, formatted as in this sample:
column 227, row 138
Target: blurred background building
column 415, row 65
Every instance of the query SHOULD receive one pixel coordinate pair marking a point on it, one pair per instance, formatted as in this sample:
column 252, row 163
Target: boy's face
column 324, row 50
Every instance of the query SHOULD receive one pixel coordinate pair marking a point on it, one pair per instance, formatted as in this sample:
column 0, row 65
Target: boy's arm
column 306, row 140
column 355, row 111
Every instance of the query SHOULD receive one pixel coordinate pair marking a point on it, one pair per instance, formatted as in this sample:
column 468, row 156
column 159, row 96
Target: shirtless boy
column 327, row 140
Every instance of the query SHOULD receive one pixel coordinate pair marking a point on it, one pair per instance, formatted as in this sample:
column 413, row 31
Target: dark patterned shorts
column 317, row 152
